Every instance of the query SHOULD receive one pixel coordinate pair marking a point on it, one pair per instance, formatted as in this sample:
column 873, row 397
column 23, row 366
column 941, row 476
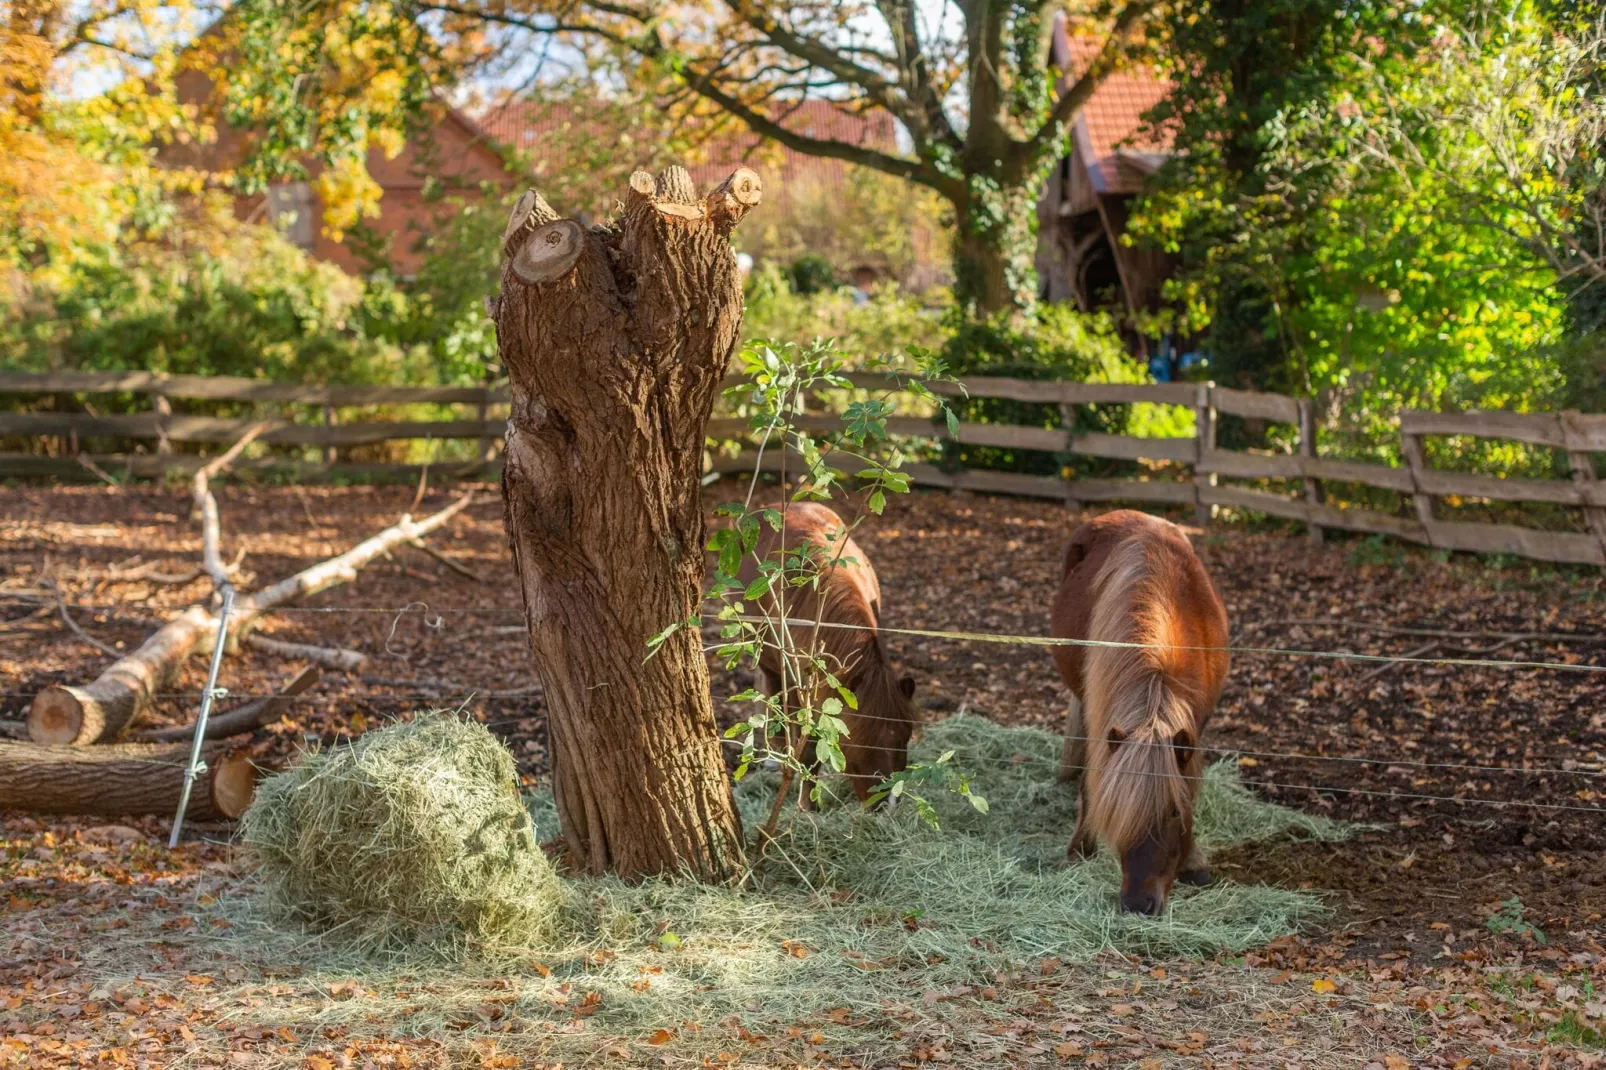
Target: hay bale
column 413, row 835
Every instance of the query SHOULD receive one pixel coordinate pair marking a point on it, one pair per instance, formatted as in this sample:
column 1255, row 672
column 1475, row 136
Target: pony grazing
column 847, row 592
column 1137, row 712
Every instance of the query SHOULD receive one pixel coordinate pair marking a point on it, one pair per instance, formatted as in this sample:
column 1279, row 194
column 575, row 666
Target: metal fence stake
column 212, row 691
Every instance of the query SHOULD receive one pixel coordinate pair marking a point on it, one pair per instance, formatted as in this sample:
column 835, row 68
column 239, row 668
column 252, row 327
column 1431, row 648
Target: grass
column 855, row 925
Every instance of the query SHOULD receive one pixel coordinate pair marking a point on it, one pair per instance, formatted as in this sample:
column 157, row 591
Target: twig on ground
column 448, row 562
column 97, row 471
column 427, row 683
column 328, row 657
column 66, row 617
column 1421, row 651
column 245, row 718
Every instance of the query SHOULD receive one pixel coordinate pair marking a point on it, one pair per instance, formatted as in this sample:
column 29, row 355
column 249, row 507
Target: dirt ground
column 1467, row 921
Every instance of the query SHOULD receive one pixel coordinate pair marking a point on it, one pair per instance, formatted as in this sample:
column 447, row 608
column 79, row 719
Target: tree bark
column 615, row 341
column 129, row 778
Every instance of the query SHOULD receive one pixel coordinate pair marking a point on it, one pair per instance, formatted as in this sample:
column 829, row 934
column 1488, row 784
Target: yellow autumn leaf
column 1323, row 985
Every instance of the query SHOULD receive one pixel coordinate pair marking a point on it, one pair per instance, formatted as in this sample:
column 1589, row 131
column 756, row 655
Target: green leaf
column 758, row 588
column 877, row 502
column 978, row 802
column 953, row 421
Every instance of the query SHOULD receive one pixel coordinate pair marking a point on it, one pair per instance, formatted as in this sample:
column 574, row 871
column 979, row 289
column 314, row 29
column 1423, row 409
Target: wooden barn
column 1084, row 206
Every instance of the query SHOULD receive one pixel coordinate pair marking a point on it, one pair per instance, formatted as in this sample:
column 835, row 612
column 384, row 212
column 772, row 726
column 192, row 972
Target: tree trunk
column 127, row 778
column 615, row 341
column 995, row 246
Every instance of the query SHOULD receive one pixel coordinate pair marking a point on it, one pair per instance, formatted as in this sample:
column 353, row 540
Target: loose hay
column 413, row 835
column 876, row 919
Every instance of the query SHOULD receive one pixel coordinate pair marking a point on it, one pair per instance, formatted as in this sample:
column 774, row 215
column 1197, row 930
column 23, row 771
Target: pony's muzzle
column 1148, row 903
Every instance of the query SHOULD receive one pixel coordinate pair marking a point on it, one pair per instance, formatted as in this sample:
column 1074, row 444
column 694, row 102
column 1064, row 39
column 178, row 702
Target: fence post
column 1068, row 421
column 329, row 453
column 164, row 412
column 1204, row 423
column 484, row 411
column 1411, row 448
column 1583, row 473
column 1307, row 449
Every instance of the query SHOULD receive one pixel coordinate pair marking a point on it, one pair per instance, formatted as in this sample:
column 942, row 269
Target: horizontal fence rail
column 1578, row 434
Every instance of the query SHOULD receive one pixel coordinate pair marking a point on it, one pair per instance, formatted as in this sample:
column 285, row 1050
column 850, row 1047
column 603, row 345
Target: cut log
column 129, row 778
column 80, row 716
column 246, row 718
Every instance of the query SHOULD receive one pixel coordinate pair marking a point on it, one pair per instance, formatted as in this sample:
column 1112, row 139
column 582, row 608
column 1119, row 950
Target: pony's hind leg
column 1073, row 751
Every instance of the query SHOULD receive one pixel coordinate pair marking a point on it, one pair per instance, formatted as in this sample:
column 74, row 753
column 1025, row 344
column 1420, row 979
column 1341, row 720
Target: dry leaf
column 1323, row 985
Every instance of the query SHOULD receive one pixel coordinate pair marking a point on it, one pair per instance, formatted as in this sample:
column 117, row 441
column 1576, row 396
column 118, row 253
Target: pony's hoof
column 1197, row 878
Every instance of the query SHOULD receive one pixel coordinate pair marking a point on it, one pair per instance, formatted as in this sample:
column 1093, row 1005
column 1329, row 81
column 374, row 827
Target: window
column 290, row 209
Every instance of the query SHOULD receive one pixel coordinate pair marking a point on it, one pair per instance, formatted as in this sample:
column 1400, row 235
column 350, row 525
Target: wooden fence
column 1578, row 434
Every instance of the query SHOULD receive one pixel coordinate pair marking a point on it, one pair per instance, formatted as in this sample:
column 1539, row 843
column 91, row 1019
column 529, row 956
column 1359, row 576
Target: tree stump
column 616, row 340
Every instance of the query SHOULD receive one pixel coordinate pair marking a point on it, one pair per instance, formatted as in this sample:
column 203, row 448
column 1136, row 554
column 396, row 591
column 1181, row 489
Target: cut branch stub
column 733, row 198
column 671, row 193
column 529, row 214
column 550, row 252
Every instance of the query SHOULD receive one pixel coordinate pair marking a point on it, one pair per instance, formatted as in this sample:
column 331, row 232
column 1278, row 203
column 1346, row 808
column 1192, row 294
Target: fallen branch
column 246, row 718
column 131, row 778
column 461, row 570
column 83, row 715
column 328, row 657
column 206, row 504
column 1421, row 651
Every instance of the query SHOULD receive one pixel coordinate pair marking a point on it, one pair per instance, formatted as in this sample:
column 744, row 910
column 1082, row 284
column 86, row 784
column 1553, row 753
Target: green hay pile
column 412, row 835
column 877, row 913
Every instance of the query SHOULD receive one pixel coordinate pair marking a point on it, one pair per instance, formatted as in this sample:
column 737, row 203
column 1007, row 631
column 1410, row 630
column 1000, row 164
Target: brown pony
column 1137, row 713
column 877, row 743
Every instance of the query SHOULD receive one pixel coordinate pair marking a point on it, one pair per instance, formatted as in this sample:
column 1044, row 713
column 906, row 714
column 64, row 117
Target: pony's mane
column 875, row 686
column 1138, row 786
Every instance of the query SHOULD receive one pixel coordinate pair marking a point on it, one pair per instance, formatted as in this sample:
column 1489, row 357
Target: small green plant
column 1509, row 919
column 752, row 589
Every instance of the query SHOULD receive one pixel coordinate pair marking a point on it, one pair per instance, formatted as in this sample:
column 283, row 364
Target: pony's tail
column 1132, row 705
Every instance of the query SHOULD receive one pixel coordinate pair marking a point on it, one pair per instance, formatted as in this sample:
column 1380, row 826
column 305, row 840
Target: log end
column 56, row 716
column 234, row 783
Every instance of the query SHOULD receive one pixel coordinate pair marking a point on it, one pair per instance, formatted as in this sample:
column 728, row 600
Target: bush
column 412, row 835
column 1058, row 342
column 812, row 273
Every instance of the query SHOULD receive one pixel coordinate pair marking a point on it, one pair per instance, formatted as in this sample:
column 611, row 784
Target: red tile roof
column 1109, row 131
column 520, row 124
